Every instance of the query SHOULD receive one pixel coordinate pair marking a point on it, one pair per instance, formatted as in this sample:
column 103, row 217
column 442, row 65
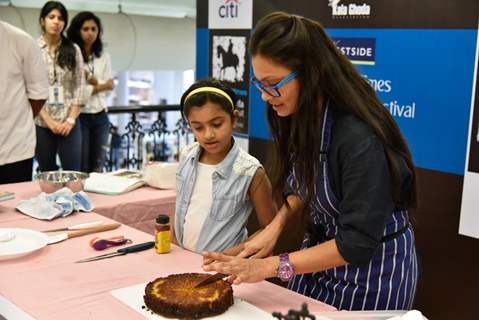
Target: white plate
column 26, row 241
column 240, row 310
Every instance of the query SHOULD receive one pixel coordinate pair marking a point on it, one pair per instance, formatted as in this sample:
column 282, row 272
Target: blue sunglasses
column 273, row 90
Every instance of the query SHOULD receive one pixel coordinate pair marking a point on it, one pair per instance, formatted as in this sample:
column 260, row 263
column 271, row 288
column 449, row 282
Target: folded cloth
column 112, row 183
column 410, row 315
column 58, row 204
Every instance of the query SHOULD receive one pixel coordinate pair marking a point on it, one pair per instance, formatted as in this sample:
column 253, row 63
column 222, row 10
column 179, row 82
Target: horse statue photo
column 228, row 59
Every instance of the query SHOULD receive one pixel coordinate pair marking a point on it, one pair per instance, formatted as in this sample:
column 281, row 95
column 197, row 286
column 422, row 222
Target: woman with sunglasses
column 342, row 165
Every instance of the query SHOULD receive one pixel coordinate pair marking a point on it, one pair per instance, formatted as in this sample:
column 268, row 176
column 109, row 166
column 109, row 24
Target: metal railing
column 129, row 144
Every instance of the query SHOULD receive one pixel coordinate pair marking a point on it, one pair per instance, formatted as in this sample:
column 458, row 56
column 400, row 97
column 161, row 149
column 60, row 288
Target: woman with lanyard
column 56, row 126
column 86, row 31
column 341, row 159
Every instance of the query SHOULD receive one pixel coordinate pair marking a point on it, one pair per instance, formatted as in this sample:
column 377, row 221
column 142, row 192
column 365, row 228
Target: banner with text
column 419, row 75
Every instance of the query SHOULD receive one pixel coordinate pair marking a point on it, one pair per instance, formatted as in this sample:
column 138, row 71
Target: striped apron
column 388, row 282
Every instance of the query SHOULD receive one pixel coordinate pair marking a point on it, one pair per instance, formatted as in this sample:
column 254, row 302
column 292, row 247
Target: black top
column 360, row 179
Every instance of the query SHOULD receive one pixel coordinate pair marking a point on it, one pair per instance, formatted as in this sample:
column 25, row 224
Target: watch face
column 285, row 272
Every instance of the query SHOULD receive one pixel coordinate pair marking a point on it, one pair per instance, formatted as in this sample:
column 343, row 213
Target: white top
column 101, row 69
column 200, row 204
column 23, row 76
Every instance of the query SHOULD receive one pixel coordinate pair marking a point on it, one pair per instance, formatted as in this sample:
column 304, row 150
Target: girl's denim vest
column 225, row 225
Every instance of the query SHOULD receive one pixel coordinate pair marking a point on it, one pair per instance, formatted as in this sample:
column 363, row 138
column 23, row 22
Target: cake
column 176, row 296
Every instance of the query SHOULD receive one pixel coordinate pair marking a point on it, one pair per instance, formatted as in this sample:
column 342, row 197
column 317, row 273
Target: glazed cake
column 176, row 296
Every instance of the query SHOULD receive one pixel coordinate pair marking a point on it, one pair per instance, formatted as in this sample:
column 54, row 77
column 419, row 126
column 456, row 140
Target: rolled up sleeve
column 366, row 203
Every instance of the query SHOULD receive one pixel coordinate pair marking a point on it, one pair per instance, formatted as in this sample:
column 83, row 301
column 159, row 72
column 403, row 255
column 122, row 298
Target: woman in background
column 86, row 31
column 56, row 126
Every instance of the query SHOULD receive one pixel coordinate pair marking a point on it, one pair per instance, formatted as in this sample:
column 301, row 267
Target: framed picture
column 229, row 62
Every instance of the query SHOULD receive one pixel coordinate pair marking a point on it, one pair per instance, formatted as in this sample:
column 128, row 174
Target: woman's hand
column 93, row 80
column 54, row 126
column 261, row 245
column 65, row 128
column 240, row 269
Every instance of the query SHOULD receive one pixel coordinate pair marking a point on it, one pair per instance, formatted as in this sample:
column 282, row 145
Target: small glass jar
column 162, row 238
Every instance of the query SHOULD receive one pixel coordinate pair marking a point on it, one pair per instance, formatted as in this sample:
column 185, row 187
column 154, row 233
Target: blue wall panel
column 422, row 70
column 201, row 53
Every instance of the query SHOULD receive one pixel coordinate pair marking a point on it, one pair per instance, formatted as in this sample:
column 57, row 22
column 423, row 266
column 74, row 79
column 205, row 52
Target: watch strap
column 285, row 269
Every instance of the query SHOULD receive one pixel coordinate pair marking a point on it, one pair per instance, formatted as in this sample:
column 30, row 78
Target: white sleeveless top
column 230, row 207
column 200, row 203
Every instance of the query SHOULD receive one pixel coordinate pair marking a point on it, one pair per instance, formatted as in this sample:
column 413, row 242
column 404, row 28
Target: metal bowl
column 51, row 181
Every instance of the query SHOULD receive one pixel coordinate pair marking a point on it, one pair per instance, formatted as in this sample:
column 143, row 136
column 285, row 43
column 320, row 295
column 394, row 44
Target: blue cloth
column 225, row 225
column 68, row 148
column 94, row 132
column 387, row 282
column 58, row 204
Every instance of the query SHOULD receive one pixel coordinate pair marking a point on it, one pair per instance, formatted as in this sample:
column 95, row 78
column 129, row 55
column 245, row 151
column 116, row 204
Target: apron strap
column 396, row 234
column 326, row 126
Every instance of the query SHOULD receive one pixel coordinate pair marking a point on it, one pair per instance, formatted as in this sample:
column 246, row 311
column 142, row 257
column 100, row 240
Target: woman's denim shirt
column 225, row 224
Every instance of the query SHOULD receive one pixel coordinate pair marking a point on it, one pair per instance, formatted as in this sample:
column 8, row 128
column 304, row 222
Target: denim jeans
column 68, row 148
column 94, row 130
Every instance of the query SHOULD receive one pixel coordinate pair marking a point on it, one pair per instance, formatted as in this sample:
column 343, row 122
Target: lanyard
column 54, row 59
column 91, row 65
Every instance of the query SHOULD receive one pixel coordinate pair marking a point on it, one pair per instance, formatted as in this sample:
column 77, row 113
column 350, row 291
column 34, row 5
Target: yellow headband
column 211, row 89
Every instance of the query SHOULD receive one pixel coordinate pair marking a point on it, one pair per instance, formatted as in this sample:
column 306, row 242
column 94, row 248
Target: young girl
column 217, row 183
column 86, row 31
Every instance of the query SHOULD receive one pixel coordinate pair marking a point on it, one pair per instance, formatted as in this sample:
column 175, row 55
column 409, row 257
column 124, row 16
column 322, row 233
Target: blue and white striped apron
column 388, row 282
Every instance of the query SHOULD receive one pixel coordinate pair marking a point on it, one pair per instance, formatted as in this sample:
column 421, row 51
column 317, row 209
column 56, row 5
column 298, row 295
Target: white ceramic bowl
column 51, row 181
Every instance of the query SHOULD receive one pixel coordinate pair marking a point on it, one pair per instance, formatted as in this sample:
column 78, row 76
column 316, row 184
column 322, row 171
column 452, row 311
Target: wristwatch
column 70, row 121
column 285, row 268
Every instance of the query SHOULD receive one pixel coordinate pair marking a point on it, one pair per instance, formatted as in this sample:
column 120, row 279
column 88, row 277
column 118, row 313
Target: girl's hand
column 65, row 128
column 207, row 261
column 261, row 245
column 93, row 80
column 233, row 251
column 54, row 126
column 240, row 269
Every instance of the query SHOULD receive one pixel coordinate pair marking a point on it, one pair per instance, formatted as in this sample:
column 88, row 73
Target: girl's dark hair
column 201, row 98
column 66, row 51
column 325, row 74
column 75, row 35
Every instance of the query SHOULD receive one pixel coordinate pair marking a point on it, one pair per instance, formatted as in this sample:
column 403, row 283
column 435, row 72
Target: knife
column 122, row 251
column 212, row 278
column 77, row 226
column 72, row 234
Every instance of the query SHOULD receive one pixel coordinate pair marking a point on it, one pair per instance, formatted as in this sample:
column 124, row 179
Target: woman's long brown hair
column 325, row 74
